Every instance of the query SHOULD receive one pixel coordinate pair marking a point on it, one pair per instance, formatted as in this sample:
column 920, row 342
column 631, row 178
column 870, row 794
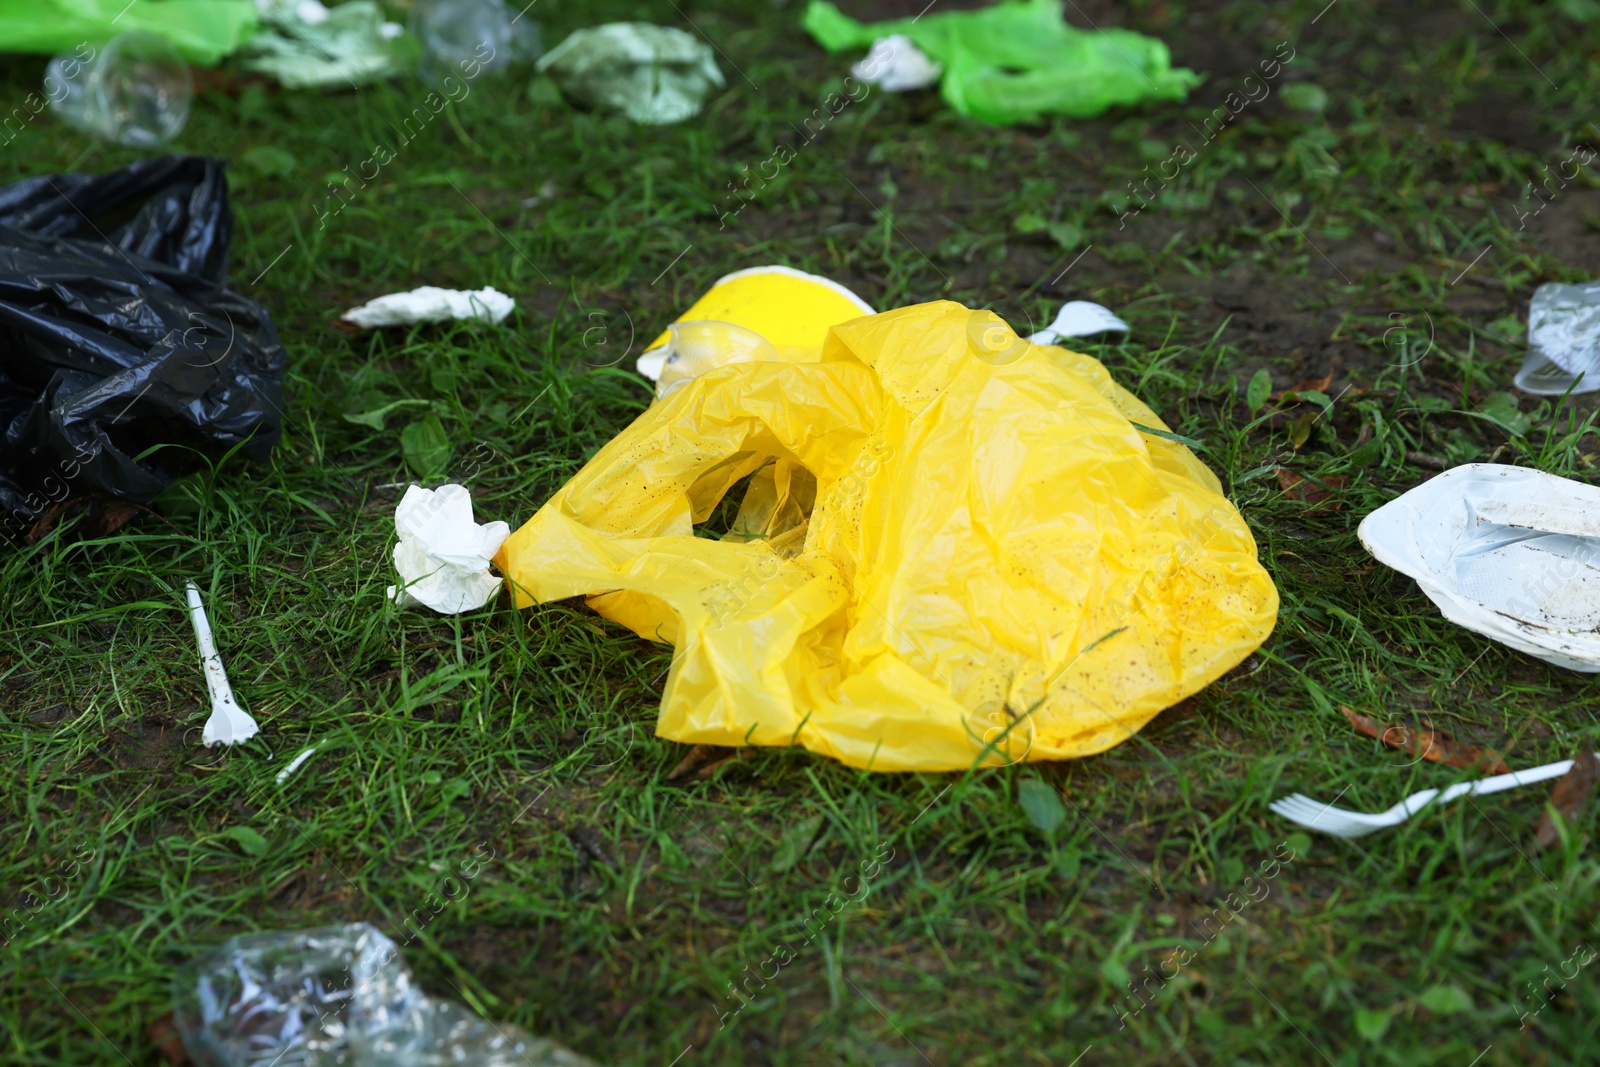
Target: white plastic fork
column 1315, row 815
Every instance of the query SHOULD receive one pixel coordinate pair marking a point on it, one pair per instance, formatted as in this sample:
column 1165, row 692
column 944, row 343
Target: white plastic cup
column 136, row 90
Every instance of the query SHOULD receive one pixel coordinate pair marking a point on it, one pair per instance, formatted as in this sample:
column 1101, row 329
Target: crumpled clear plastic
column 1563, row 340
column 306, row 45
column 443, row 555
column 338, row 995
column 655, row 75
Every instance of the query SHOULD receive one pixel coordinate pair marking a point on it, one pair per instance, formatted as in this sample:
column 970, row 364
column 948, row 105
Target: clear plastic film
column 338, row 995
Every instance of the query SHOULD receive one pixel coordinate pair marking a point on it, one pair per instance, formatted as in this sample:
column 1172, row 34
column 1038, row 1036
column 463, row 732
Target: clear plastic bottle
column 135, row 90
column 338, row 995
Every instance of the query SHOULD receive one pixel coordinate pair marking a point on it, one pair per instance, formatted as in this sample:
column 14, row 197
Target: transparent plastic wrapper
column 203, row 30
column 1563, row 340
column 339, row 995
column 136, row 90
column 954, row 547
column 307, row 46
column 655, row 75
column 1018, row 60
column 458, row 33
column 1508, row 552
column 121, row 336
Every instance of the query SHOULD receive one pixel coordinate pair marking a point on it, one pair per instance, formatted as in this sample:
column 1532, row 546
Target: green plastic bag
column 1019, row 60
column 203, row 30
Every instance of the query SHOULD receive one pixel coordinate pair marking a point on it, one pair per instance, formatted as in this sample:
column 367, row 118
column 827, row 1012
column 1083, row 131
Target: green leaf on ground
column 1042, row 804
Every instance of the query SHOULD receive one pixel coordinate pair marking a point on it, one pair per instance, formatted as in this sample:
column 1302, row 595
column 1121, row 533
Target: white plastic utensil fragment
column 294, row 764
column 443, row 555
column 431, row 304
column 229, row 724
column 1079, row 318
column 1509, row 552
column 896, row 65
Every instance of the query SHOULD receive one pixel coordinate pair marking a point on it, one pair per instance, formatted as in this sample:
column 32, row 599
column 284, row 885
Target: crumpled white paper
column 1079, row 318
column 896, row 65
column 1509, row 552
column 443, row 555
column 229, row 724
column 431, row 304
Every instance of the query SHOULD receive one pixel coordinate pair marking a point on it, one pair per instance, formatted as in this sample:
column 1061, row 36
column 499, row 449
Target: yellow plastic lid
column 790, row 308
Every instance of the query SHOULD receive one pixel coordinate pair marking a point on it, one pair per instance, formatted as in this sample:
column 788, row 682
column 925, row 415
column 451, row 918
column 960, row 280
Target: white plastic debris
column 896, row 65
column 229, row 724
column 294, row 764
column 651, row 363
column 1509, row 552
column 431, row 304
column 1563, row 340
column 443, row 555
column 1079, row 318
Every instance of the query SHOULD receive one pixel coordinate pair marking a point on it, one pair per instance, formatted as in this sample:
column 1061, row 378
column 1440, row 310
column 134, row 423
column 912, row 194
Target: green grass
column 617, row 908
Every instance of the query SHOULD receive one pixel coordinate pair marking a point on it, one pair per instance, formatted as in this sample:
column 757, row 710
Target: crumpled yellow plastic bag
column 958, row 547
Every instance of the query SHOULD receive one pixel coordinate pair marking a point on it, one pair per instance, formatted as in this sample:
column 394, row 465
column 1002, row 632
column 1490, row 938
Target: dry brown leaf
column 693, row 760
column 1296, row 487
column 709, row 769
column 1310, row 385
column 102, row 517
column 1570, row 794
column 1435, row 745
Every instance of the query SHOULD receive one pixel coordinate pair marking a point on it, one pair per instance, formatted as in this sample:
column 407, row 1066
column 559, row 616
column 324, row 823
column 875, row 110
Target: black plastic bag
column 117, row 335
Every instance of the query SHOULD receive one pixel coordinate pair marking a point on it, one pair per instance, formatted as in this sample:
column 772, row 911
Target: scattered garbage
column 1315, row 815
column 1563, row 341
column 203, row 30
column 229, row 724
column 431, row 304
column 655, row 75
column 305, row 45
column 338, row 994
column 1429, row 744
column 1079, row 318
column 126, row 353
column 1567, row 798
column 458, row 33
column 1019, row 60
column 135, row 90
column 896, row 65
column 443, row 555
column 954, row 547
column 1509, row 552
column 787, row 308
